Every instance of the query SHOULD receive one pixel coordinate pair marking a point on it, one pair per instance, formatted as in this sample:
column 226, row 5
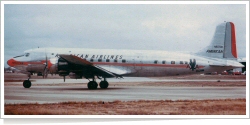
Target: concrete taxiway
column 54, row 94
column 54, row 89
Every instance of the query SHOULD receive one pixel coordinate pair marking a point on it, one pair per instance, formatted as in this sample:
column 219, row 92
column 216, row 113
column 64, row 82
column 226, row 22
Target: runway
column 129, row 80
column 54, row 89
column 55, row 94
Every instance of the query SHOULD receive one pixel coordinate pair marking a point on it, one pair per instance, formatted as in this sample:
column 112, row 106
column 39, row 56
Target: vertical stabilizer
column 230, row 50
column 223, row 44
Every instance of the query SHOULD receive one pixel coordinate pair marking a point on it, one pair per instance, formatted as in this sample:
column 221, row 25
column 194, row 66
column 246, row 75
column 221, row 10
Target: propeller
column 45, row 70
column 192, row 64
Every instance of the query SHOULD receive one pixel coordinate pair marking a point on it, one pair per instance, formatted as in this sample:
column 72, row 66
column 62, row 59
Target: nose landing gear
column 27, row 83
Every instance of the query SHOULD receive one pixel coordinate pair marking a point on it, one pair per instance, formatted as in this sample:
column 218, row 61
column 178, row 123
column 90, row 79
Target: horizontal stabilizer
column 228, row 64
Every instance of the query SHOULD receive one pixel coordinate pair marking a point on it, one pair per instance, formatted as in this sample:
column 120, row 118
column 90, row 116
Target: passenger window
column 155, row 62
column 172, row 62
column 164, row 62
column 123, row 61
column 186, row 62
column 99, row 60
column 181, row 62
column 91, row 60
column 115, row 60
column 107, row 60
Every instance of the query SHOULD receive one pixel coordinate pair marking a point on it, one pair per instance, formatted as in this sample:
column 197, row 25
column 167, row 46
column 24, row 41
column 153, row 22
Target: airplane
column 78, row 63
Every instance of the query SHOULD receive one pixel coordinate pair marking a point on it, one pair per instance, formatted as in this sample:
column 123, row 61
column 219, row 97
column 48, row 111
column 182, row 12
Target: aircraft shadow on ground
column 75, row 89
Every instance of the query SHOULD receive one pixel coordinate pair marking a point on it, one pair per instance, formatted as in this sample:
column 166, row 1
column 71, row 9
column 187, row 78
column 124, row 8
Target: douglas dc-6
column 80, row 63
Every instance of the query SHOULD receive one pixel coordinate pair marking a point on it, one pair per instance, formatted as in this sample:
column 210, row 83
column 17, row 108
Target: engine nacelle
column 75, row 76
column 63, row 67
column 35, row 68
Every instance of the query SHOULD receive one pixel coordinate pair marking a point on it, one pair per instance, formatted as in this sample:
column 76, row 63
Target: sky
column 169, row 27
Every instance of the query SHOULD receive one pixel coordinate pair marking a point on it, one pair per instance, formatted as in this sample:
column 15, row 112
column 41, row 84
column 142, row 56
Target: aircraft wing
column 90, row 67
column 117, row 69
column 76, row 60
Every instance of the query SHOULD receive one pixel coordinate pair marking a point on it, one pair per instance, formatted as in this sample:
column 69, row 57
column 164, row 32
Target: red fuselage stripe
column 144, row 65
column 13, row 63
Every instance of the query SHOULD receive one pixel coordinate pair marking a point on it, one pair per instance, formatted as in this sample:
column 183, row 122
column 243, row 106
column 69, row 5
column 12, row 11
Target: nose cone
column 10, row 62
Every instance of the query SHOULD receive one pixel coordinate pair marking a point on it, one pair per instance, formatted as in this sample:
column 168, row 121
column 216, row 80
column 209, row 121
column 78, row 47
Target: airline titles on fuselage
column 214, row 51
column 86, row 56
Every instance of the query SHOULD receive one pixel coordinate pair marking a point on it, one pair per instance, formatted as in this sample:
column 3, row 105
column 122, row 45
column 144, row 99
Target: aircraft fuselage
column 138, row 63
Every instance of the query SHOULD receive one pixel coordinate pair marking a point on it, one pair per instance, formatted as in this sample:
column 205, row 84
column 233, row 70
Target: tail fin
column 223, row 44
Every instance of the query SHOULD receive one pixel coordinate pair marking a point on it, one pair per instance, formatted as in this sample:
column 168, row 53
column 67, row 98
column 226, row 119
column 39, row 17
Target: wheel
column 26, row 84
column 104, row 84
column 92, row 85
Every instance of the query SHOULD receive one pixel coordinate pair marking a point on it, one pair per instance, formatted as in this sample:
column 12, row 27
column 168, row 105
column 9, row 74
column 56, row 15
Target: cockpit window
column 27, row 54
column 18, row 56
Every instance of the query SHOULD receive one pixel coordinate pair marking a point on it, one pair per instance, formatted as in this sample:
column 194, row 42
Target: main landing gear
column 93, row 84
column 104, row 84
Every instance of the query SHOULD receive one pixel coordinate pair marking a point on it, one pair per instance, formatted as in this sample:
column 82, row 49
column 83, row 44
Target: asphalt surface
column 54, row 89
column 78, row 92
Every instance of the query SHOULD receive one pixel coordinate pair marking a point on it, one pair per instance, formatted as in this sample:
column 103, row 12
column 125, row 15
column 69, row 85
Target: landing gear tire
column 92, row 85
column 104, row 84
column 26, row 84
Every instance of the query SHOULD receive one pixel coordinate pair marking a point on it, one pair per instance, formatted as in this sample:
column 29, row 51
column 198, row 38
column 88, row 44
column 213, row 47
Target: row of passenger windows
column 155, row 62
column 172, row 62
column 107, row 60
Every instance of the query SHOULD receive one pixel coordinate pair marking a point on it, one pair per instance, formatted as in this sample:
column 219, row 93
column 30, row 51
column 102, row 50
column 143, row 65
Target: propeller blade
column 45, row 71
